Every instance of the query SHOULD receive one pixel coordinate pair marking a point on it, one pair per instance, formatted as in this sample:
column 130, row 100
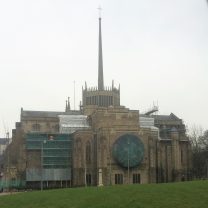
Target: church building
column 103, row 143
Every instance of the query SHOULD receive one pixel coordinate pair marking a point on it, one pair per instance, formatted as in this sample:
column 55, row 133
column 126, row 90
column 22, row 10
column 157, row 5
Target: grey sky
column 156, row 50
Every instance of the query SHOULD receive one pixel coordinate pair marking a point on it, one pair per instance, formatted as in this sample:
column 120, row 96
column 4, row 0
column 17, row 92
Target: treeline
column 199, row 141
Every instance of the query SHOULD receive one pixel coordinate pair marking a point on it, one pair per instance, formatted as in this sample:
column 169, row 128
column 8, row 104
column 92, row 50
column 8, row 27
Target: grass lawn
column 172, row 195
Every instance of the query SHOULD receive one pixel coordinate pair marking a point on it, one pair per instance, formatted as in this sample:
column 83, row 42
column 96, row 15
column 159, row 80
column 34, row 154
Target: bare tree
column 199, row 140
column 203, row 141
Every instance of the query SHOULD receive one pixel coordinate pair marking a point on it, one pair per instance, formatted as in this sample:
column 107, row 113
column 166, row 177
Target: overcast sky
column 156, row 50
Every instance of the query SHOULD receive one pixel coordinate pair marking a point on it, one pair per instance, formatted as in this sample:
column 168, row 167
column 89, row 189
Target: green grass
column 172, row 195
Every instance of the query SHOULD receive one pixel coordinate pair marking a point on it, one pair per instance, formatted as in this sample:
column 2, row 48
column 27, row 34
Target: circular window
column 128, row 151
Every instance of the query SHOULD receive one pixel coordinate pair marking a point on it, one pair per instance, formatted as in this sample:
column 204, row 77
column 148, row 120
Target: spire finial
column 100, row 59
column 99, row 10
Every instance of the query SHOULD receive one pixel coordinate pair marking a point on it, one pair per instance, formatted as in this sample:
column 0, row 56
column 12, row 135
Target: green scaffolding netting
column 17, row 184
column 55, row 149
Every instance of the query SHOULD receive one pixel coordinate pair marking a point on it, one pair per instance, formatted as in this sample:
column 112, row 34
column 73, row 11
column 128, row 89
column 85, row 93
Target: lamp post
column 109, row 148
column 128, row 160
column 41, row 156
column 8, row 163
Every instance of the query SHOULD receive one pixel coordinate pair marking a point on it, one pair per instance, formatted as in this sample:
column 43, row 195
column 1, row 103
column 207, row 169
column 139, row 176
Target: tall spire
column 100, row 59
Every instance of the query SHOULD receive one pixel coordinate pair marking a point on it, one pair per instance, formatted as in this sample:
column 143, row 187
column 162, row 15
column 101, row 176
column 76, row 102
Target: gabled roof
column 166, row 117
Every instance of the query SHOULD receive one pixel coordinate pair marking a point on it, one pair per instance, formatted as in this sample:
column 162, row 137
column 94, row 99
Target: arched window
column 103, row 147
column 78, row 150
column 88, row 152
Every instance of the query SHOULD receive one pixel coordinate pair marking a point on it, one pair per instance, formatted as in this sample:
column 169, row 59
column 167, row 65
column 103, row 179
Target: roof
column 40, row 113
column 48, row 114
column 166, row 117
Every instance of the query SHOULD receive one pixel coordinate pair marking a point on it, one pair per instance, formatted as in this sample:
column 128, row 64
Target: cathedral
column 103, row 143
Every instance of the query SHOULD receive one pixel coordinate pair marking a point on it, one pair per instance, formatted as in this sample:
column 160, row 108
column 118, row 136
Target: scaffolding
column 52, row 161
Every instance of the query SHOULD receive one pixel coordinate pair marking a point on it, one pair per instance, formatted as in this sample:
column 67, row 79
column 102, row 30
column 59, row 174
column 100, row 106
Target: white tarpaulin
column 71, row 123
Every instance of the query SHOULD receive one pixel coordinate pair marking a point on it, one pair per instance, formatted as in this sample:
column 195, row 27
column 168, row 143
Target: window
column 118, row 178
column 136, row 178
column 181, row 156
column 88, row 179
column 88, row 152
column 36, row 127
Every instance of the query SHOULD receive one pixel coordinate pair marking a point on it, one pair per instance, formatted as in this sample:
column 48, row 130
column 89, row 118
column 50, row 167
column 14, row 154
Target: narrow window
column 118, row 178
column 88, row 152
column 88, row 179
column 181, row 156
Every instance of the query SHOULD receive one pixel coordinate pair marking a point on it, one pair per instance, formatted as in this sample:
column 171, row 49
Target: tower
column 100, row 96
